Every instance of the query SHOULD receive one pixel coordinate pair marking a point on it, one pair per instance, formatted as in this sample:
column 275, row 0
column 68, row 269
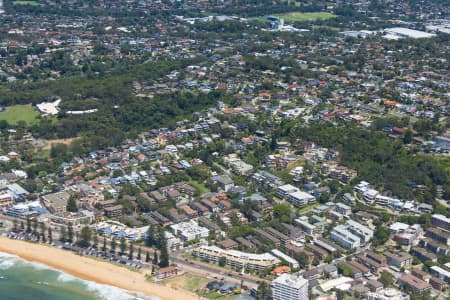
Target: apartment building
column 236, row 258
column 290, row 287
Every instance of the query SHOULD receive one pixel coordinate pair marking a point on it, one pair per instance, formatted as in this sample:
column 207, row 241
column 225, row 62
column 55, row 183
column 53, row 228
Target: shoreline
column 92, row 270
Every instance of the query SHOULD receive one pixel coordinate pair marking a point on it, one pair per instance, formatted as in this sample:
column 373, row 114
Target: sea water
column 23, row 280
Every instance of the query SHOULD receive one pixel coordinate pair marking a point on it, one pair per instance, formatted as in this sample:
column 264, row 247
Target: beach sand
column 91, row 269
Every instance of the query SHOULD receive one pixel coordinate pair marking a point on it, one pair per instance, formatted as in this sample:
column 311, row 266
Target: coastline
column 92, row 270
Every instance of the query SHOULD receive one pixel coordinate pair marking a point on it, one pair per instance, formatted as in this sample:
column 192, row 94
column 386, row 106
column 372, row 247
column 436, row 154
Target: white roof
column 411, row 33
column 294, row 280
column 328, row 285
column 301, row 195
column 397, row 226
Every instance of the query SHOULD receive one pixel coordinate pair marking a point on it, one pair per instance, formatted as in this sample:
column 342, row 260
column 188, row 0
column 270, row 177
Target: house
column 213, row 227
column 167, row 272
column 114, row 211
column 199, row 208
column 212, row 207
column 159, row 198
column 227, row 244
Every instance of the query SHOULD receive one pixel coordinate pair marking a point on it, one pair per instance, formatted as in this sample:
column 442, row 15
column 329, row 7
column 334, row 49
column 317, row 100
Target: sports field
column 32, row 3
column 16, row 113
column 304, row 17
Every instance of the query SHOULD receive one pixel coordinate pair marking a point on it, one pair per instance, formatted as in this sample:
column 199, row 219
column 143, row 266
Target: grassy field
column 32, row 3
column 300, row 17
column 304, row 17
column 187, row 281
column 16, row 113
column 200, row 187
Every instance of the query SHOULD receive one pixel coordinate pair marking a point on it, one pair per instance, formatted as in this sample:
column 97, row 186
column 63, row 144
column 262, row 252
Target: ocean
column 22, row 280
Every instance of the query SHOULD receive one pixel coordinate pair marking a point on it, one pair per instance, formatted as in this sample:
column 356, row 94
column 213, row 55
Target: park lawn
column 187, row 281
column 308, row 207
column 14, row 114
column 304, row 17
column 32, row 3
column 200, row 187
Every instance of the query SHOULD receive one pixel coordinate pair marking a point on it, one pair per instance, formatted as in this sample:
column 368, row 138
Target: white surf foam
column 7, row 260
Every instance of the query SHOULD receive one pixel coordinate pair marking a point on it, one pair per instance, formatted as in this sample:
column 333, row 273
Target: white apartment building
column 300, row 198
column 189, row 231
column 237, row 259
column 290, row 287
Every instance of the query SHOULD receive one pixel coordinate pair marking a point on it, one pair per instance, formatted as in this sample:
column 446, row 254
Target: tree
column 15, row 225
column 42, row 224
column 139, row 253
column 104, row 244
column 113, row 245
column 407, row 138
column 70, row 233
column 387, row 279
column 222, row 261
column 63, row 234
column 340, row 295
column 35, row 225
column 49, row 235
column 149, row 238
column 28, row 225
column 123, row 245
column 164, row 252
column 147, row 257
column 72, row 204
column 95, row 240
column 380, row 236
column 85, row 237
column 131, row 251
column 263, row 292
column 302, row 259
column 155, row 258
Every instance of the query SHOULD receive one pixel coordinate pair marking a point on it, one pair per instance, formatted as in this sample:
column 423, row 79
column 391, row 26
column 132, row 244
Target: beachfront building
column 290, row 287
column 189, row 231
column 237, row 259
column 70, row 218
column 168, row 272
column 119, row 230
column 25, row 210
column 56, row 202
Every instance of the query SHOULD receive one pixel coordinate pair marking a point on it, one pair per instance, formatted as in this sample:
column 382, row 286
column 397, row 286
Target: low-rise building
column 399, row 260
column 440, row 221
column 237, row 259
column 167, row 272
column 56, row 202
column 413, row 283
column 387, row 294
column 189, row 231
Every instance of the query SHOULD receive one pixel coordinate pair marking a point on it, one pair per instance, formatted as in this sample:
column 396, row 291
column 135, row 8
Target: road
column 208, row 270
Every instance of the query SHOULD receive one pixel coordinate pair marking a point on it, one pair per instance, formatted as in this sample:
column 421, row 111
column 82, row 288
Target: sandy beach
column 91, row 269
